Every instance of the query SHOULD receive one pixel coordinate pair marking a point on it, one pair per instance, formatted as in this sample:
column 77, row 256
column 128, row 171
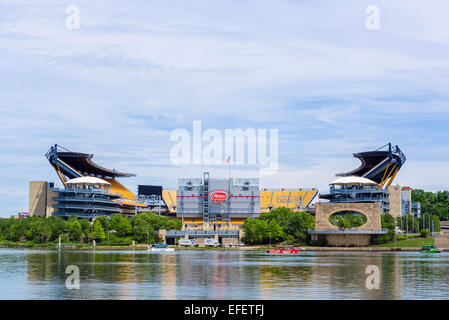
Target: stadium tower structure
column 380, row 166
column 70, row 165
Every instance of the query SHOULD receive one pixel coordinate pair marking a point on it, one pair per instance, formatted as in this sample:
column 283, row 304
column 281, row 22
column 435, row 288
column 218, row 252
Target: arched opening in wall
column 348, row 219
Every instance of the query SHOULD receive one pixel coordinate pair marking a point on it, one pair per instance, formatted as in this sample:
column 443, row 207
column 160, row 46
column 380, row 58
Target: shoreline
column 247, row 248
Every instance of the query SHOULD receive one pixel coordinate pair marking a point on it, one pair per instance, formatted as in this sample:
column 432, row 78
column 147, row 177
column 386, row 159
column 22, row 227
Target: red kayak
column 284, row 251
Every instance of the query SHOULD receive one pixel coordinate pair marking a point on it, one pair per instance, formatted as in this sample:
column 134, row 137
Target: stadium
column 366, row 192
column 207, row 206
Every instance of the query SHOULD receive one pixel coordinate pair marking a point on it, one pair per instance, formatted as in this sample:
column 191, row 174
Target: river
column 215, row 274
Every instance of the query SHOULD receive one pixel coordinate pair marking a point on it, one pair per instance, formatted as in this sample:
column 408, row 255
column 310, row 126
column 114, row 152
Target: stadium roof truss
column 380, row 166
column 70, row 165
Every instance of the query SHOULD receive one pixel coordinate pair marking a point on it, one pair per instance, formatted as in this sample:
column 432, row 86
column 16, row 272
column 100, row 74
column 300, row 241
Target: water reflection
column 40, row 274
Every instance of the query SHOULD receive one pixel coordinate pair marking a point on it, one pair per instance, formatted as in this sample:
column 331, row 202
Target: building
column 297, row 199
column 217, row 201
column 215, row 208
column 356, row 190
column 40, row 199
column 70, row 165
column 84, row 197
column 401, row 204
column 365, row 191
column 380, row 165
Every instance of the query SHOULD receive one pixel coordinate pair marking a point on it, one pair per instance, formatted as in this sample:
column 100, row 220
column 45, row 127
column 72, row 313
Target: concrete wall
column 325, row 209
column 395, row 200
column 37, row 200
column 40, row 199
column 50, row 202
column 348, row 240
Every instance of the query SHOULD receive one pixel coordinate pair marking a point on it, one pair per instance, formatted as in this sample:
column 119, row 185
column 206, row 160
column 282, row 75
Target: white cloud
column 132, row 73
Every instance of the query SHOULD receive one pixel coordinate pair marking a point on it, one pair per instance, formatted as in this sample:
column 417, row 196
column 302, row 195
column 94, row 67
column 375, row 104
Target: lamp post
column 407, row 224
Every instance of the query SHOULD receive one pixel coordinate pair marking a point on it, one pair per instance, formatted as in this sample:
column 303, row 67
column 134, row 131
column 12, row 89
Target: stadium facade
column 211, row 207
column 208, row 207
column 366, row 191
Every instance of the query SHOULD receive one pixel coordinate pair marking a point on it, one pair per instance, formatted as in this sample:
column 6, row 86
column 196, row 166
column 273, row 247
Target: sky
column 135, row 71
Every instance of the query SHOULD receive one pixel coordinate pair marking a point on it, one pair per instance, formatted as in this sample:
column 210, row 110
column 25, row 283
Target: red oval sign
column 218, row 196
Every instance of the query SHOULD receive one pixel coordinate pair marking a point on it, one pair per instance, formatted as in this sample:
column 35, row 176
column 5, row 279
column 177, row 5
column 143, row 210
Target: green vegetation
column 424, row 233
column 116, row 230
column 415, row 225
column 411, row 243
column 278, row 225
column 348, row 220
column 387, row 222
column 435, row 203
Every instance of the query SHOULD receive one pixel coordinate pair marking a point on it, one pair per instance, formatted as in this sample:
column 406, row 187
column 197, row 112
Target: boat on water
column 289, row 251
column 429, row 249
column 160, row 248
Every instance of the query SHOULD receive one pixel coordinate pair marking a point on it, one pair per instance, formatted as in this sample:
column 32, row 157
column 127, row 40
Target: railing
column 78, row 214
column 87, row 207
column 288, row 189
column 347, row 231
column 333, row 191
column 201, row 233
column 71, row 190
column 360, row 199
column 82, row 199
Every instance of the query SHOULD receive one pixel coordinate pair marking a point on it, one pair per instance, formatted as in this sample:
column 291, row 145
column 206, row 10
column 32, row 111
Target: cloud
column 134, row 72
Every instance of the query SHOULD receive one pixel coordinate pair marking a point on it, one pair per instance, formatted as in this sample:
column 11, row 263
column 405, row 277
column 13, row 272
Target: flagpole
column 229, row 191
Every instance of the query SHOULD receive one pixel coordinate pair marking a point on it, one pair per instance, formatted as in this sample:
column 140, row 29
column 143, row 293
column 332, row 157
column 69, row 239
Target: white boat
column 160, row 248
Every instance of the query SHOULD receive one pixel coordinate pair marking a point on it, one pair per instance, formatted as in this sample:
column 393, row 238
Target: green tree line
column 115, row 229
column 278, row 225
column 435, row 203
column 415, row 225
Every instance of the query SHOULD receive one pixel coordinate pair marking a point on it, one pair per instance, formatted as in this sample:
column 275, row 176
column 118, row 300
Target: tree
column 74, row 228
column 282, row 223
column 255, row 230
column 40, row 230
column 274, row 231
column 435, row 203
column 142, row 228
column 174, row 224
column 297, row 226
column 387, row 222
column 105, row 222
column 57, row 227
column 20, row 229
column 98, row 230
column 120, row 224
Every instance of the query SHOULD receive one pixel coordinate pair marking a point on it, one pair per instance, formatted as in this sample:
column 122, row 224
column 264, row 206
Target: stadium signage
column 218, row 196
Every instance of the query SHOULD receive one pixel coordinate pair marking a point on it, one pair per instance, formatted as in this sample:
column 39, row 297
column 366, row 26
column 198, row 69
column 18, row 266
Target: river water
column 212, row 274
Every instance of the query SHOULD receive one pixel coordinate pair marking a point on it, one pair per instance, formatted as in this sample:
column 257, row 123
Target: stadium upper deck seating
column 169, row 197
column 296, row 199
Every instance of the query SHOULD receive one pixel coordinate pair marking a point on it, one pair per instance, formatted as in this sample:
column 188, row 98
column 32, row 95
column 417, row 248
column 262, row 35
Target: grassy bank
column 409, row 243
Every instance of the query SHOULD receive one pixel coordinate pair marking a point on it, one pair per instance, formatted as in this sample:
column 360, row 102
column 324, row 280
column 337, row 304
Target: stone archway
column 371, row 210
